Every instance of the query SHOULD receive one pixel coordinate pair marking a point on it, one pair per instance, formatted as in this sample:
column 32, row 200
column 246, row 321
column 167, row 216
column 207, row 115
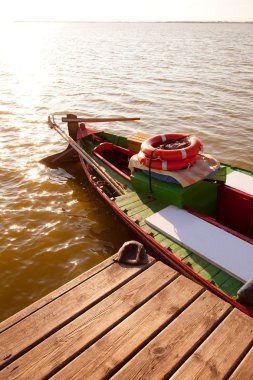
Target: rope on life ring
column 159, row 164
column 151, row 145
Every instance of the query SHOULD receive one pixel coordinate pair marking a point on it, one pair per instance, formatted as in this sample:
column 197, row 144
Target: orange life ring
column 165, row 164
column 148, row 147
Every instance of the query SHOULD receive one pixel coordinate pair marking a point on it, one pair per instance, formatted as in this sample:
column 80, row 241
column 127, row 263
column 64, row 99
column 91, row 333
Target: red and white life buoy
column 165, row 164
column 149, row 147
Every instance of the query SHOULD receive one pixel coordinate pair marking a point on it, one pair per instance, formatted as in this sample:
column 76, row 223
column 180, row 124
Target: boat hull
column 134, row 197
column 158, row 250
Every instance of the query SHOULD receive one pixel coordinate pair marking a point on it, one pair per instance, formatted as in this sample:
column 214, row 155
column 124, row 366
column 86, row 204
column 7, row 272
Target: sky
column 126, row 10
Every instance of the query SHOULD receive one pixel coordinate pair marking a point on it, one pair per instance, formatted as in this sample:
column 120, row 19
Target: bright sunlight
column 131, row 10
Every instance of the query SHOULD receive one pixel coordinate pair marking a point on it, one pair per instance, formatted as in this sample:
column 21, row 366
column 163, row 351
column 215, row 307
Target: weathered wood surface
column 244, row 370
column 218, row 355
column 125, row 322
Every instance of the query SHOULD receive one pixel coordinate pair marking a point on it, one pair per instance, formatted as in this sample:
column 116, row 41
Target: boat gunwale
column 96, row 151
column 161, row 251
column 196, row 213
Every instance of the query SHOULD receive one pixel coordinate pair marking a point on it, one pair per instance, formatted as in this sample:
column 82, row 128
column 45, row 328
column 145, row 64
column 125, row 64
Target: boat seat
column 234, row 206
column 134, row 142
column 241, row 182
column 230, row 253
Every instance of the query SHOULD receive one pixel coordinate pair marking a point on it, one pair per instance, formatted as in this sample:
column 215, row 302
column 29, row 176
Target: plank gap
column 110, row 262
column 154, row 334
column 198, row 344
column 239, row 360
column 162, row 354
column 109, row 328
column 91, row 304
column 244, row 368
column 221, row 350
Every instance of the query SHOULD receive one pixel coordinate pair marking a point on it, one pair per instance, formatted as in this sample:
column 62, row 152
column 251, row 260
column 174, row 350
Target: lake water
column 193, row 78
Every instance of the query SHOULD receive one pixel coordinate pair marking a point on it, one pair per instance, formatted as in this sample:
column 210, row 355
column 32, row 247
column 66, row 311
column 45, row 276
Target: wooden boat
column 202, row 226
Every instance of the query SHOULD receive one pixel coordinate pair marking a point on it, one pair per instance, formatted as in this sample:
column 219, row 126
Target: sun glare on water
column 22, row 50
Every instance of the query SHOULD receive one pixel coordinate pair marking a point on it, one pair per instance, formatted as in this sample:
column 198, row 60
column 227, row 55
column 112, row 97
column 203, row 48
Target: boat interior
column 239, row 218
column 115, row 157
column 219, row 195
column 221, row 201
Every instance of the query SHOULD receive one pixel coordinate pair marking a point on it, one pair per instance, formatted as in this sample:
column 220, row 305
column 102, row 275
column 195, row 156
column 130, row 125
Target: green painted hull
column 199, row 197
column 141, row 201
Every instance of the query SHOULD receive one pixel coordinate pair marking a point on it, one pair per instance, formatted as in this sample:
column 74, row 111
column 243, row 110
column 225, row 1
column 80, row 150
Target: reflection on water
column 193, row 78
column 54, row 237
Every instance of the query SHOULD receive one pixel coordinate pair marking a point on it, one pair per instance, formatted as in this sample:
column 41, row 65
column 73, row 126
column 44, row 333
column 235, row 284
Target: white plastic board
column 240, row 181
column 228, row 252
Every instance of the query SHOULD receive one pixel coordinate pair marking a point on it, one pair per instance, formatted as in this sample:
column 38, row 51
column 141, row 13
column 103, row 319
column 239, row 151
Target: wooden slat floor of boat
column 138, row 207
column 125, row 322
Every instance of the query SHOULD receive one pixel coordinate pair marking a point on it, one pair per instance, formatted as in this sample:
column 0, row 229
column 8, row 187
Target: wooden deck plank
column 55, row 294
column 54, row 315
column 208, row 271
column 159, row 238
column 132, row 207
column 166, row 243
column 144, row 208
column 101, row 359
column 154, row 206
column 220, row 278
column 131, row 197
column 135, row 204
column 138, row 136
column 221, row 352
column 137, row 210
column 245, row 369
column 146, row 212
column 196, row 261
column 213, row 274
column 180, row 252
column 51, row 354
column 231, row 285
column 193, row 263
column 145, row 322
column 134, row 141
column 30, row 309
column 122, row 200
column 148, row 230
column 166, row 351
column 137, row 218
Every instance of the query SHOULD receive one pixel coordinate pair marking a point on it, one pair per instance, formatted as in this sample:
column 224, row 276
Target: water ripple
column 195, row 78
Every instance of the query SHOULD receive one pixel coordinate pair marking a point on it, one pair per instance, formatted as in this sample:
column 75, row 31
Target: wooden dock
column 125, row 322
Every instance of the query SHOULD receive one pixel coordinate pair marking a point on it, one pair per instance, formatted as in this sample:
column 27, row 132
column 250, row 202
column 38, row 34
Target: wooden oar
column 98, row 119
column 89, row 160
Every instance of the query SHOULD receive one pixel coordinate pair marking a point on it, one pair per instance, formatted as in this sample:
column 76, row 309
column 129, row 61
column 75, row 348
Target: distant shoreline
column 136, row 22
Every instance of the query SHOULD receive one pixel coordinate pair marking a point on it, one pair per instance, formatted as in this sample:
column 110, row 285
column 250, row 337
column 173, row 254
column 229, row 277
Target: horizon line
column 144, row 22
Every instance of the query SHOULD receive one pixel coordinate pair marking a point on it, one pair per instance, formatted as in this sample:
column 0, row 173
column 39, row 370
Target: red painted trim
column 160, row 250
column 106, row 146
column 217, row 224
column 242, row 193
